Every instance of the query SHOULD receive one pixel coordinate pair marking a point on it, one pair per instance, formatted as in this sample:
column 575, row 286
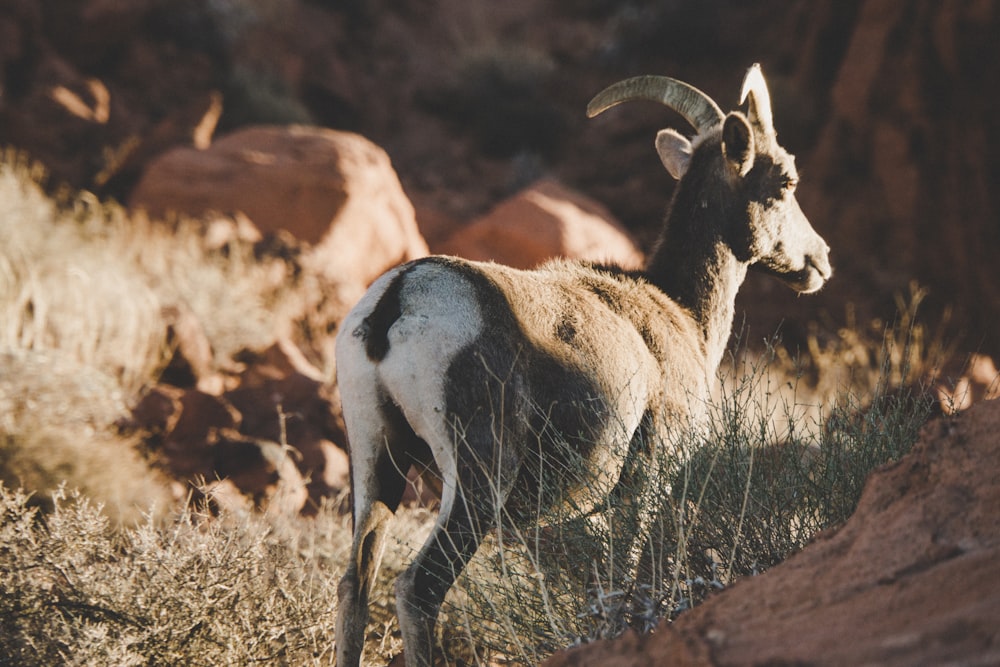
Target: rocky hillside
column 886, row 103
column 343, row 136
column 913, row 578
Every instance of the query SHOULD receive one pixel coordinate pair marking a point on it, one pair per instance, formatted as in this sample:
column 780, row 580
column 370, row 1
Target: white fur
column 435, row 325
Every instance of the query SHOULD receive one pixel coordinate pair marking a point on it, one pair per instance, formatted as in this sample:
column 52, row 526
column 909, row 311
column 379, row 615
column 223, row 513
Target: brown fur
column 504, row 378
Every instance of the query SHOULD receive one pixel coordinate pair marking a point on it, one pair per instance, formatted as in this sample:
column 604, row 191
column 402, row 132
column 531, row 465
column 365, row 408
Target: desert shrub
column 744, row 500
column 789, row 443
column 87, row 279
column 751, row 488
column 229, row 590
column 85, row 288
column 65, row 285
column 58, row 424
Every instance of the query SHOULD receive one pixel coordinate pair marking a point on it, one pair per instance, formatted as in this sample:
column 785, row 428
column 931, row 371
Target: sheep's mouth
column 810, row 278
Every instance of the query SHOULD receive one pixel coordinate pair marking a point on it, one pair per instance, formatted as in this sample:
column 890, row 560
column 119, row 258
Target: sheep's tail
column 375, row 328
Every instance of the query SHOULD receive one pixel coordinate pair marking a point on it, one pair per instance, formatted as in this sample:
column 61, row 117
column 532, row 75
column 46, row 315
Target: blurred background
column 889, row 106
column 154, row 362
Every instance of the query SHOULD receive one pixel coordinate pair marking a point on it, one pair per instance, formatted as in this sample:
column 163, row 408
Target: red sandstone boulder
column 271, row 437
column 284, row 400
column 913, row 578
column 544, row 221
column 979, row 381
column 196, row 438
column 181, row 426
column 335, row 191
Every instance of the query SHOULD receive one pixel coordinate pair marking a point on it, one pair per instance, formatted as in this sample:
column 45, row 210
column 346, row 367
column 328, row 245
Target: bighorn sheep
column 476, row 369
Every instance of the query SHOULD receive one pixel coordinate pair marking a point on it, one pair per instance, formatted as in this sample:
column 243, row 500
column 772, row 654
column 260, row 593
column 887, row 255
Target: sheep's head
column 736, row 160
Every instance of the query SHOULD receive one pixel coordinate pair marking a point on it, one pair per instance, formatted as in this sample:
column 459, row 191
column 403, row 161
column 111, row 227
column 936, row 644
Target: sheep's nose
column 820, row 263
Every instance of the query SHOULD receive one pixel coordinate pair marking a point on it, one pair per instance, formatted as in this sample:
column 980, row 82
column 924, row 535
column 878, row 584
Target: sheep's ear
column 675, row 152
column 738, row 143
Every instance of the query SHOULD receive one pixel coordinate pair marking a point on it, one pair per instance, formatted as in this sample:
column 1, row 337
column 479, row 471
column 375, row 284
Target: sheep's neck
column 694, row 267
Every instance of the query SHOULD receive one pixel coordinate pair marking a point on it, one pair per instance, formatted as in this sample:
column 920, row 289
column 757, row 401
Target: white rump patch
column 439, row 317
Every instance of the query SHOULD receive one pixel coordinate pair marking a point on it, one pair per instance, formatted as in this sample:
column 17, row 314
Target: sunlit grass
column 770, row 471
column 199, row 590
column 88, row 295
column 83, row 291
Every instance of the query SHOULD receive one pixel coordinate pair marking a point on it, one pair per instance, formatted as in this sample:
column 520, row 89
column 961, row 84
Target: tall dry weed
column 84, row 289
column 231, row 590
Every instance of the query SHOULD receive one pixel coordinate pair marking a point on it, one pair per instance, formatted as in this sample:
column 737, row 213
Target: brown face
column 775, row 235
column 781, row 240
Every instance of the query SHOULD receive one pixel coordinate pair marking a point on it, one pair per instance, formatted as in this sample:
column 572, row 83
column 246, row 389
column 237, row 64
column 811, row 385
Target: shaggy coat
column 501, row 382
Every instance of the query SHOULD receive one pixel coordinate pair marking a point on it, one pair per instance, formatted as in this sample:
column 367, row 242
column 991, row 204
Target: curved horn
column 755, row 88
column 697, row 108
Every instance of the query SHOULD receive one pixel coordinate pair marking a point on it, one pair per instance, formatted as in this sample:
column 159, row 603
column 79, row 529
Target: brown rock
column 912, row 578
column 191, row 361
column 284, row 400
column 223, row 495
column 898, row 172
column 187, row 447
column 631, row 650
column 158, row 411
column 334, row 190
column 246, row 463
column 272, row 436
column 979, row 381
column 421, row 490
column 336, row 473
column 279, row 361
column 181, row 426
column 544, row 221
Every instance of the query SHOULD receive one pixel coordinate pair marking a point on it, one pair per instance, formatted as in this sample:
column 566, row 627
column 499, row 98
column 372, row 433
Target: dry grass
column 58, row 426
column 99, row 577
column 89, row 280
column 86, row 292
column 66, row 287
column 224, row 591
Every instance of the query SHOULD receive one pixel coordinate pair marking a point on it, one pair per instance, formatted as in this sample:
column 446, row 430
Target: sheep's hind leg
column 467, row 514
column 377, row 484
column 352, row 593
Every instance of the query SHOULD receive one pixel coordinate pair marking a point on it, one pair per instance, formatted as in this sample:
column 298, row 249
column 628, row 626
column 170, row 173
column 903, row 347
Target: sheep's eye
column 789, row 184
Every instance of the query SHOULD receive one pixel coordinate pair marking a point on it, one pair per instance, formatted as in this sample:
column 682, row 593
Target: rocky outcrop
column 277, row 432
column 898, row 171
column 912, row 578
column 543, row 221
column 334, row 191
